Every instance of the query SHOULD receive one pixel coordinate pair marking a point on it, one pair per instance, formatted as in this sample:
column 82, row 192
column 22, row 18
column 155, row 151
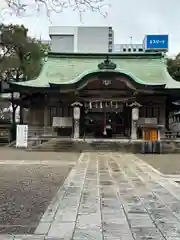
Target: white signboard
column 135, row 114
column 62, row 122
column 150, row 121
column 56, row 122
column 22, row 136
column 76, row 113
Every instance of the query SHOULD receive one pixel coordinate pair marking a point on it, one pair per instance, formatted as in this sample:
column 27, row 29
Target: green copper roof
column 147, row 69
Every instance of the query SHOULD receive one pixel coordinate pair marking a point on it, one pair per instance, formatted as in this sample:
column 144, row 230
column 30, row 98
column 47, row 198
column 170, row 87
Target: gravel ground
column 13, row 154
column 26, row 188
column 165, row 163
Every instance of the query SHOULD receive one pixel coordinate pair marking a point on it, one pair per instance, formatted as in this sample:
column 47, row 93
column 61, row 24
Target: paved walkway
column 112, row 196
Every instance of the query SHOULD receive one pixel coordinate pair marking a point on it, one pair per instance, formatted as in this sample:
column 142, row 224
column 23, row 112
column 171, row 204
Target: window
column 129, row 49
column 124, row 49
column 140, row 49
column 110, row 30
column 134, row 50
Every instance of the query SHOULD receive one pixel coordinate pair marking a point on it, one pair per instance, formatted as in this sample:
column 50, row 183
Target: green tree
column 21, row 56
column 173, row 66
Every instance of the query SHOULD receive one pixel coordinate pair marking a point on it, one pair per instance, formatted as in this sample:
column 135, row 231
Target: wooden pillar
column 167, row 108
column 21, row 114
column 46, row 115
column 14, row 107
column 21, row 109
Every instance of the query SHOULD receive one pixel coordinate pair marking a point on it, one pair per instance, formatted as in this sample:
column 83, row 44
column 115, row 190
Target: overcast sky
column 128, row 18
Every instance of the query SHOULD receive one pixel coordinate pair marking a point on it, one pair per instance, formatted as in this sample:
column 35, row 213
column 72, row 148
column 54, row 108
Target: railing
column 172, row 135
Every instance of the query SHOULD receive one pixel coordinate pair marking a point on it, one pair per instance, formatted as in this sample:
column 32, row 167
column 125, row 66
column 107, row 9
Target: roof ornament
column 107, row 64
column 135, row 104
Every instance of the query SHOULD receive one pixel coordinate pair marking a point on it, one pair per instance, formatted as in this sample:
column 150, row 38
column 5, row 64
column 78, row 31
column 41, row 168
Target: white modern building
column 81, row 39
column 131, row 48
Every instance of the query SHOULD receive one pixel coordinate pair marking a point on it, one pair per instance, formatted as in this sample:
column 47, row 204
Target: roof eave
column 94, row 55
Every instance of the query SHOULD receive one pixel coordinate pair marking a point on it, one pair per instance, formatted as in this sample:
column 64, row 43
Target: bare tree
column 23, row 6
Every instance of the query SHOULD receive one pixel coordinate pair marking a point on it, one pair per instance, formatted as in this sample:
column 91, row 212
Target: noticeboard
column 156, row 42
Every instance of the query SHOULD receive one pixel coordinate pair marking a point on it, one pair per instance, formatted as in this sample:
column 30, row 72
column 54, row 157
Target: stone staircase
column 68, row 145
column 105, row 146
column 4, row 142
column 60, row 145
column 171, row 147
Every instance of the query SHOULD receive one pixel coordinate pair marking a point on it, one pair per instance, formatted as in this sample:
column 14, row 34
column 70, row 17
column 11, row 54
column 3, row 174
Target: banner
column 62, row 122
column 22, row 136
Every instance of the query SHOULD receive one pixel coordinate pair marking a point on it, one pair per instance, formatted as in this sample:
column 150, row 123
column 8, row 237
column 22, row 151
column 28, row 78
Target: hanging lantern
column 85, row 105
column 121, row 107
column 93, row 105
column 116, row 106
column 105, row 132
column 96, row 106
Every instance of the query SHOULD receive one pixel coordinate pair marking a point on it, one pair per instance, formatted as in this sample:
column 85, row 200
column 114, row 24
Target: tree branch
column 81, row 6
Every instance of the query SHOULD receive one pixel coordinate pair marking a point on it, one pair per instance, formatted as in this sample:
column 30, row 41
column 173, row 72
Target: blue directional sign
column 156, row 42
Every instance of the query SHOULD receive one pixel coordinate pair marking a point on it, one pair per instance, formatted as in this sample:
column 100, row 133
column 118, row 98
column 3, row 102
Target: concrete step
column 57, row 145
column 60, row 146
column 105, row 146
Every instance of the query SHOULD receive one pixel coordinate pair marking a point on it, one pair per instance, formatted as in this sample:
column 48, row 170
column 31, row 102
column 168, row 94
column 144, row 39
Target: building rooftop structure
column 81, row 39
column 123, row 48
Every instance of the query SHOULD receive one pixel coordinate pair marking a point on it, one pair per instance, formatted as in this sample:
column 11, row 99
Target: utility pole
column 131, row 40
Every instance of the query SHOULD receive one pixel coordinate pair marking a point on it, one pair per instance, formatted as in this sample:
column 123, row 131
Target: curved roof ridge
column 117, row 70
column 65, row 70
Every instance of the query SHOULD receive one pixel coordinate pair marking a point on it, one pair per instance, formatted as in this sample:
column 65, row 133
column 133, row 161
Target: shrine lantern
column 135, row 113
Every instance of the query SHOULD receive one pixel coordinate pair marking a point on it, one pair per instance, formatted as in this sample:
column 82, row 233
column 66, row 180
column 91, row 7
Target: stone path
column 112, row 196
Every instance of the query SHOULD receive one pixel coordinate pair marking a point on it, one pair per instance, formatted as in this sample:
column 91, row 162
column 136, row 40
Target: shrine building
column 90, row 96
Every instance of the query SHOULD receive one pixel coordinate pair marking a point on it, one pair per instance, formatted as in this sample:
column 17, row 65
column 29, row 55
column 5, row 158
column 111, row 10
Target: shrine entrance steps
column 69, row 145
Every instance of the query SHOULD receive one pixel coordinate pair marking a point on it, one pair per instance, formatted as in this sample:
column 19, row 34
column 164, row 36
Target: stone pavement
column 112, row 196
